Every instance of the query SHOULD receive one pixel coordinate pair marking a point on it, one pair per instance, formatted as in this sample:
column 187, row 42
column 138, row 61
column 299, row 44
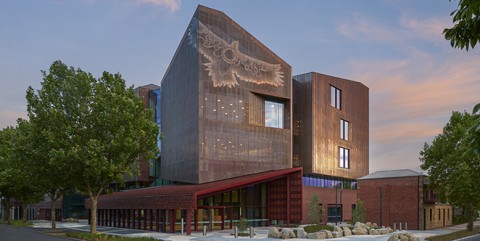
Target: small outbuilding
column 401, row 197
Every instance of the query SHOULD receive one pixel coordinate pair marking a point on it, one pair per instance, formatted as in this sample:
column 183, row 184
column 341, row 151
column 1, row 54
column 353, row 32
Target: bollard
column 182, row 226
column 400, row 226
column 251, row 232
column 235, row 232
column 406, row 226
column 395, row 227
column 204, row 230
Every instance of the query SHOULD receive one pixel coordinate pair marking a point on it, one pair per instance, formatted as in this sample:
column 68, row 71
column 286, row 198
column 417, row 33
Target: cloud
column 9, row 117
column 406, row 29
column 171, row 5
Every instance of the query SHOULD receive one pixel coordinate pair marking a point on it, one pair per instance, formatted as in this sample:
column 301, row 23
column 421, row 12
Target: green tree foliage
column 18, row 178
column 314, row 211
column 359, row 212
column 96, row 126
column 466, row 31
column 242, row 225
column 452, row 169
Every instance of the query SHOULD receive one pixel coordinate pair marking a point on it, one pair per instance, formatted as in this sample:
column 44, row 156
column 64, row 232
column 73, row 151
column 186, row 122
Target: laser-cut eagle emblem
column 227, row 63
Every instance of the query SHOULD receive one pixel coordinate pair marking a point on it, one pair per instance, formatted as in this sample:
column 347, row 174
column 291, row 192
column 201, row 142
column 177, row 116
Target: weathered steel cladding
column 214, row 133
column 317, row 125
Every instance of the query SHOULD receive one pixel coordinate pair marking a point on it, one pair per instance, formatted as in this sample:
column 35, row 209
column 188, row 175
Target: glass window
column 344, row 157
column 336, row 97
column 273, row 114
column 344, row 129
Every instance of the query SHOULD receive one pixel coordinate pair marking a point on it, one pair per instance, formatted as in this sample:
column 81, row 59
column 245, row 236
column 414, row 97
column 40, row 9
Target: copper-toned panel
column 317, row 125
column 213, row 98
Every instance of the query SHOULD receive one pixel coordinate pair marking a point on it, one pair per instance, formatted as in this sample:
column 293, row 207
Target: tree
column 6, row 186
column 96, row 126
column 452, row 169
column 314, row 210
column 18, row 177
column 466, row 31
column 359, row 212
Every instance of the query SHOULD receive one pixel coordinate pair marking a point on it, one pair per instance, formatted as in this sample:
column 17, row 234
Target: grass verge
column 106, row 237
column 17, row 223
column 455, row 235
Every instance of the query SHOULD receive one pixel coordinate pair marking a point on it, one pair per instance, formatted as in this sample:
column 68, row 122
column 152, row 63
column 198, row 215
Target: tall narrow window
column 273, row 114
column 344, row 157
column 336, row 97
column 344, row 129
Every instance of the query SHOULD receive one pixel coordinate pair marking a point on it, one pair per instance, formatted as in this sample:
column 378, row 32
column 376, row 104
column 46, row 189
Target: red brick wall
column 401, row 202
column 327, row 196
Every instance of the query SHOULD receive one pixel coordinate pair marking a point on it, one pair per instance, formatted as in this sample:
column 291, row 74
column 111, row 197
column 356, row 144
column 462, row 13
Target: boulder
column 336, row 234
column 301, row 233
column 338, row 229
column 383, row 231
column 328, row 233
column 347, row 231
column 402, row 236
column 359, row 231
column 273, row 232
column 360, row 225
column 374, row 225
column 373, row 232
column 287, row 233
column 369, row 224
column 317, row 235
column 390, row 230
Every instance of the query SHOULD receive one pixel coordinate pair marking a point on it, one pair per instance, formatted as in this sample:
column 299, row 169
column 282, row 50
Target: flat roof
column 392, row 174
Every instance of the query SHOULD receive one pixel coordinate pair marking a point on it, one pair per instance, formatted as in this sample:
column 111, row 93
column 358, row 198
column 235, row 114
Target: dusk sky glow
column 396, row 48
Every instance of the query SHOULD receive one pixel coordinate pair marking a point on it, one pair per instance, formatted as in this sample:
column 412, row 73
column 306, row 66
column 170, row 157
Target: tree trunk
column 471, row 214
column 52, row 208
column 24, row 213
column 93, row 223
column 7, row 210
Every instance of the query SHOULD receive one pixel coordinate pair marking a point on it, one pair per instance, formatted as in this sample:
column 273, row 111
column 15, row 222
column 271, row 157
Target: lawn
column 454, row 235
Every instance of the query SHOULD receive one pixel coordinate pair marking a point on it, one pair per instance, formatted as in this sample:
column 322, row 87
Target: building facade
column 243, row 139
column 401, row 196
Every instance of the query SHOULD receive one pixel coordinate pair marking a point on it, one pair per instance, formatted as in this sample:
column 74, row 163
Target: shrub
column 359, row 212
column 106, row 237
column 242, row 225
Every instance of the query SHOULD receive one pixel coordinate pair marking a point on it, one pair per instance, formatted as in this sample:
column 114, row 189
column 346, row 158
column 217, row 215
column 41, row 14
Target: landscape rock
column 360, row 225
column 402, row 236
column 317, row 235
column 373, row 232
column 338, row 229
column 328, row 233
column 337, row 234
column 347, row 231
column 369, row 224
column 374, row 225
column 287, row 233
column 301, row 233
column 383, row 231
column 273, row 232
column 359, row 231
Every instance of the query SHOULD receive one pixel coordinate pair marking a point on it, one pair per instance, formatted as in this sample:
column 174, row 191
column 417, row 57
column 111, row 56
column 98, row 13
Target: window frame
column 345, row 161
column 280, row 118
column 345, row 129
column 335, row 97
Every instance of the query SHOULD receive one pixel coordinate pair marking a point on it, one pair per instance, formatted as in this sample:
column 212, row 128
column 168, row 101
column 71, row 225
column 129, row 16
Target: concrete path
column 226, row 235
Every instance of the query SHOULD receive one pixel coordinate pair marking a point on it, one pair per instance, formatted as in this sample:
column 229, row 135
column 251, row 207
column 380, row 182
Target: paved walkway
column 10, row 233
column 226, row 235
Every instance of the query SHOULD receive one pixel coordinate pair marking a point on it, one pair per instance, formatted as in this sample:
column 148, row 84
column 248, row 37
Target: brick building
column 401, row 196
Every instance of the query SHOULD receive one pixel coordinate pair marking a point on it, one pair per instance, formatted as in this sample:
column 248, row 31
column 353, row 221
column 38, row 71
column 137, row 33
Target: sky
column 396, row 48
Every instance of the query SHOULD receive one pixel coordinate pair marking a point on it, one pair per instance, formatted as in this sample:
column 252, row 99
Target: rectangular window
column 344, row 157
column 273, row 114
column 430, row 214
column 336, row 97
column 344, row 129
